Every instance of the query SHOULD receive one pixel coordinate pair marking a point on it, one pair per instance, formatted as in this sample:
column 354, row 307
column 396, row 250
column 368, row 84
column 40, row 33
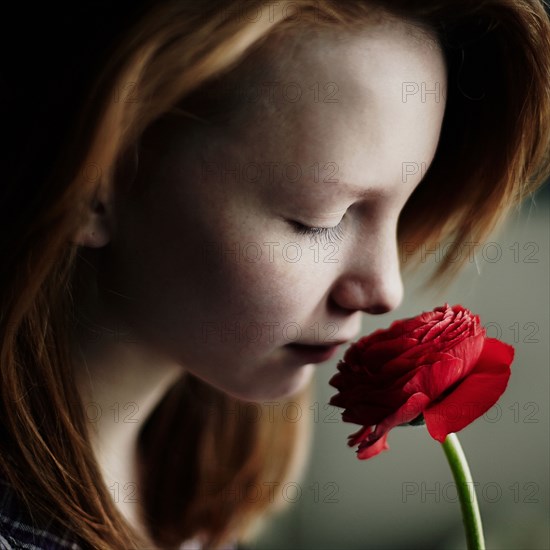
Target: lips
column 314, row 353
column 329, row 343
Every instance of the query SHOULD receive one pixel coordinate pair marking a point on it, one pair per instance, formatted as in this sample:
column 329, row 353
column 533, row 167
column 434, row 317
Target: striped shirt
column 19, row 532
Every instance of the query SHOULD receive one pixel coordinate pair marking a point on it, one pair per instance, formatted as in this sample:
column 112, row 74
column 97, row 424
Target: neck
column 121, row 382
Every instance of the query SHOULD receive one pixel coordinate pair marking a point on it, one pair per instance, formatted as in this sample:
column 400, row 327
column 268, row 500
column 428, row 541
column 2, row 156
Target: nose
column 371, row 280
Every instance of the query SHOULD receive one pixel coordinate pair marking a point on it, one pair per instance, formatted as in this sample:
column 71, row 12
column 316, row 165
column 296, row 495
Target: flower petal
column 366, row 451
column 475, row 395
column 414, row 406
column 359, row 436
column 437, row 373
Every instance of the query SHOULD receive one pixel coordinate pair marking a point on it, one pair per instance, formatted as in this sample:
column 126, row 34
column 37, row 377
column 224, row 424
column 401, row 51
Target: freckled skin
column 170, row 253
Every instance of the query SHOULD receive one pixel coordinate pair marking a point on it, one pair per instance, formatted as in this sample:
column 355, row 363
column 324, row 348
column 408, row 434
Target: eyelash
column 329, row 234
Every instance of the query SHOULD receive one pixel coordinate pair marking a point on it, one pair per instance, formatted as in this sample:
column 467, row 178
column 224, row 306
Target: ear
column 95, row 231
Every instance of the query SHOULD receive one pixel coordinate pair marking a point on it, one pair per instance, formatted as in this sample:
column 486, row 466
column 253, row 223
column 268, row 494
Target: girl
column 200, row 202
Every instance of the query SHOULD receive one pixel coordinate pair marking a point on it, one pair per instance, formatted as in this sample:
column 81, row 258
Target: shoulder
column 18, row 532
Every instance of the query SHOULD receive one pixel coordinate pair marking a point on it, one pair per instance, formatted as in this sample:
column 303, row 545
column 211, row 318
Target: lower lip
column 313, row 354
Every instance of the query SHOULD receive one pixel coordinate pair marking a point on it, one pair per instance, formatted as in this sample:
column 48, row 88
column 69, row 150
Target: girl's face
column 208, row 261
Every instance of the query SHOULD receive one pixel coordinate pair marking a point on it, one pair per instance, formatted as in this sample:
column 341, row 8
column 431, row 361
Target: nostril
column 337, row 308
column 377, row 310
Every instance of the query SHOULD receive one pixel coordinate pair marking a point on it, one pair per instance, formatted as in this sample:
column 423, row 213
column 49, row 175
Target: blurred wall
column 404, row 498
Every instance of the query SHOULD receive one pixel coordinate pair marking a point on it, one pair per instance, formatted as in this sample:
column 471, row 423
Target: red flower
column 439, row 365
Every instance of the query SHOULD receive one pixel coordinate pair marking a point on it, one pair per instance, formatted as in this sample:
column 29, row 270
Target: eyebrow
column 353, row 190
column 362, row 193
column 358, row 192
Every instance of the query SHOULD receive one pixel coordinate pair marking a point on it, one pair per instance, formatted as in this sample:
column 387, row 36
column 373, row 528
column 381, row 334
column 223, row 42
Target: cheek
column 196, row 280
column 255, row 284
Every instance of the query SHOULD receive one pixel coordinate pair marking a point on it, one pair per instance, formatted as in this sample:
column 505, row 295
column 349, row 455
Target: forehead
column 295, row 55
column 343, row 97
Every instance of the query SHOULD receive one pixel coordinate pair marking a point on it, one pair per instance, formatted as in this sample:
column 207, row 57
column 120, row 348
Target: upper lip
column 321, row 344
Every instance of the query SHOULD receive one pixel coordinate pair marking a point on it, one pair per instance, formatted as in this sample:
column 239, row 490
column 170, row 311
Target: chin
column 281, row 388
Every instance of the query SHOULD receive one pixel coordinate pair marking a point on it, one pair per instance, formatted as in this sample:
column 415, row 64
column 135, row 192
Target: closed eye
column 326, row 234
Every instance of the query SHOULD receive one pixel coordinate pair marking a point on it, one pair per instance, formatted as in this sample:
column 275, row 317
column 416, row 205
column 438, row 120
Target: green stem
column 466, row 492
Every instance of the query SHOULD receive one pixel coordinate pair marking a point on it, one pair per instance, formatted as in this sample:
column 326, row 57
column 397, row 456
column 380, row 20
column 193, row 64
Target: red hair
column 493, row 152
